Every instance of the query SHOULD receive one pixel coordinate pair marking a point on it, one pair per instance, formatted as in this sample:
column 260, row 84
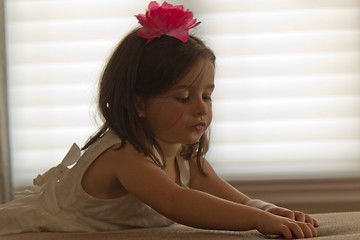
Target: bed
column 333, row 226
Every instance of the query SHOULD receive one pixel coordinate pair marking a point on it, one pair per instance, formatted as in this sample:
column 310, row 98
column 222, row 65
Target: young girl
column 145, row 167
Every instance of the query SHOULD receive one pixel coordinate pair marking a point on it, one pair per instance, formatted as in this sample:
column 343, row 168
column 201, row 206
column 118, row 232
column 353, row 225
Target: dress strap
column 184, row 168
column 54, row 173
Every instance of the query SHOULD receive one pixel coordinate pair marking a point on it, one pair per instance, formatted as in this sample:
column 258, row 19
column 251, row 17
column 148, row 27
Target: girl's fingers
column 309, row 219
column 289, row 214
column 285, row 231
column 299, row 230
column 296, row 230
column 316, row 224
column 300, row 216
column 308, row 230
column 303, row 230
column 313, row 230
column 312, row 221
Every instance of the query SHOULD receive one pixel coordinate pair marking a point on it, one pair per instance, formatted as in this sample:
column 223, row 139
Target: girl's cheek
column 175, row 114
column 210, row 115
column 175, row 111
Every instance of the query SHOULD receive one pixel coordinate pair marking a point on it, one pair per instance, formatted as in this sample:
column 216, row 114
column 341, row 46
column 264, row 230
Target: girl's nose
column 200, row 107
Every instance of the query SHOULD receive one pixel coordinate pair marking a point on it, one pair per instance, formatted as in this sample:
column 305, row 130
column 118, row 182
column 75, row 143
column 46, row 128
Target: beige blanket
column 332, row 226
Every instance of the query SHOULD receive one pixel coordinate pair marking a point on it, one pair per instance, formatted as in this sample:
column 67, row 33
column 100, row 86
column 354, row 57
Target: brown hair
column 142, row 69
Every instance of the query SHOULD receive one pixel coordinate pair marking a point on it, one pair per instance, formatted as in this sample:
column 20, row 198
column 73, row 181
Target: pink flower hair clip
column 166, row 19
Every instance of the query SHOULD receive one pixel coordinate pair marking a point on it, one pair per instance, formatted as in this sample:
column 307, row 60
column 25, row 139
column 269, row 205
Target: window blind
column 288, row 88
column 287, row 98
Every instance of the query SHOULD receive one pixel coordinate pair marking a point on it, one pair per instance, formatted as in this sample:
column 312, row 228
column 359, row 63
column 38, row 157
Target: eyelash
column 182, row 100
column 207, row 98
column 185, row 100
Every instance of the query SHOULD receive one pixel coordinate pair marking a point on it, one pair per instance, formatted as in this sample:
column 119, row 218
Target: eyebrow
column 187, row 86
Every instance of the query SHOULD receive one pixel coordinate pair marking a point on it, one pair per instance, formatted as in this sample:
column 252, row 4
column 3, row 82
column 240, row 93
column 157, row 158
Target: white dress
column 59, row 203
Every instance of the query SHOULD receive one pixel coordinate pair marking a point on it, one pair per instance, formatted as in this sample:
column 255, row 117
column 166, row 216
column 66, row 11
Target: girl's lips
column 199, row 126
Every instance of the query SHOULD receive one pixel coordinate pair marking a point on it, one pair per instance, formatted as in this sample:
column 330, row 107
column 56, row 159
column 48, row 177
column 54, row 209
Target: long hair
column 142, row 69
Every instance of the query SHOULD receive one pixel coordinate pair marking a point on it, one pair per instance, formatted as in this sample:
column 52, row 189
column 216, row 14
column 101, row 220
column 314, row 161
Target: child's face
column 182, row 114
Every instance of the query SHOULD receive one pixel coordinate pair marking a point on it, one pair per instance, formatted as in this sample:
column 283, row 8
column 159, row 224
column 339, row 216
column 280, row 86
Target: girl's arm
column 142, row 178
column 214, row 185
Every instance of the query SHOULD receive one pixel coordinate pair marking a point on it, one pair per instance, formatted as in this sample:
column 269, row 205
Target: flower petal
column 166, row 5
column 153, row 5
column 166, row 20
column 180, row 33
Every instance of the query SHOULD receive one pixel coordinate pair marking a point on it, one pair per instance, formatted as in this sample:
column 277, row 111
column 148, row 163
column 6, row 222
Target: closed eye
column 207, row 98
column 182, row 99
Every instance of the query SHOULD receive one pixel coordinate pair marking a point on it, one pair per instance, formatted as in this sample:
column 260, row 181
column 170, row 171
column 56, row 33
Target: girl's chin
column 185, row 140
column 193, row 141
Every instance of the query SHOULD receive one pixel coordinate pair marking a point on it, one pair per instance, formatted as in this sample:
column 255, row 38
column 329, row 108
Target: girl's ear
column 140, row 106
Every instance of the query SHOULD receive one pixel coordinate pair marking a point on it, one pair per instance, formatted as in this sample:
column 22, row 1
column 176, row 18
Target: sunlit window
column 287, row 98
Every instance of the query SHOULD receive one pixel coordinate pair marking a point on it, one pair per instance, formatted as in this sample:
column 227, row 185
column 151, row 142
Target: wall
column 310, row 196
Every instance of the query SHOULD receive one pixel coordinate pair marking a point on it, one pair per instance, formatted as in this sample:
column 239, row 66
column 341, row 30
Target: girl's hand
column 283, row 212
column 276, row 225
column 294, row 215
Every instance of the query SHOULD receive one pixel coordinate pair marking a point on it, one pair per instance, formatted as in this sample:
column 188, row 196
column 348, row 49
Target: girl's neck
column 169, row 149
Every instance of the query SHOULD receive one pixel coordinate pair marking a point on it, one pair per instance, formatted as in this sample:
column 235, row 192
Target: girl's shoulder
column 122, row 153
column 113, row 148
column 102, row 177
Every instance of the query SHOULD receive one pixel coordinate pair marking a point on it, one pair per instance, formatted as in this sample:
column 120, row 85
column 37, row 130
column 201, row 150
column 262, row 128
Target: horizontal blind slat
column 286, row 152
column 292, row 108
column 50, row 95
column 225, row 6
column 56, row 116
column 281, row 21
column 295, row 43
column 54, row 73
column 292, row 86
column 286, row 42
column 280, row 65
column 43, row 10
column 46, row 138
column 285, row 130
